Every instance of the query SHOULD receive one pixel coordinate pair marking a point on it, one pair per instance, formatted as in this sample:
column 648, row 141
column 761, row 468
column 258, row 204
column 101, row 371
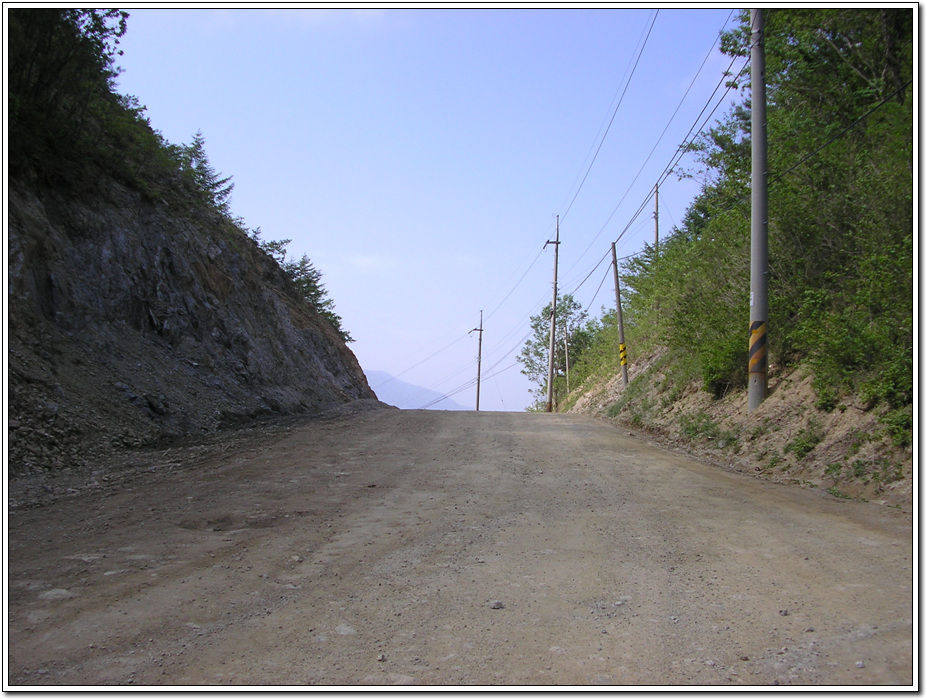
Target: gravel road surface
column 453, row 549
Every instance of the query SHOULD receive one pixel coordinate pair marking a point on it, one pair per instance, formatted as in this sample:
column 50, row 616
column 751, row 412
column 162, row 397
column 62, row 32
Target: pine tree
column 307, row 278
column 195, row 164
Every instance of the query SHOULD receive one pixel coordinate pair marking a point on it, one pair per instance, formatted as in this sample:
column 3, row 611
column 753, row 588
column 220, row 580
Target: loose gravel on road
column 452, row 549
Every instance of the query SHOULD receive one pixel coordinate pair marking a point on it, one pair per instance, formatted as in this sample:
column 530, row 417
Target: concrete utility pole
column 622, row 350
column 553, row 324
column 566, row 351
column 759, row 219
column 656, row 219
column 479, row 359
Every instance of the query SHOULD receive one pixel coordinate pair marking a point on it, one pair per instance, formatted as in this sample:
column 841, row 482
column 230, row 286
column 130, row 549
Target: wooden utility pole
column 622, row 350
column 553, row 324
column 758, row 367
column 479, row 359
column 656, row 219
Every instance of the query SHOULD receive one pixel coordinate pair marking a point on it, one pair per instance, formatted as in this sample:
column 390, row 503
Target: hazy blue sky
column 419, row 157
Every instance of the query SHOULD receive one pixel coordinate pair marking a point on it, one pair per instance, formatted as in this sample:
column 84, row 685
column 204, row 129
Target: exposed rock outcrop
column 133, row 322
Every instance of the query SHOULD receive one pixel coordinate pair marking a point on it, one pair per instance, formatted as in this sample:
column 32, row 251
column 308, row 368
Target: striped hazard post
column 757, row 347
column 622, row 348
column 758, row 365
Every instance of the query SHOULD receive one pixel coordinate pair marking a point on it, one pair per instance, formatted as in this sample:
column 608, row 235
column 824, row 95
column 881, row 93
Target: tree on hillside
column 308, row 281
column 195, row 165
column 68, row 126
column 842, row 259
column 60, row 74
column 306, row 278
column 841, row 203
column 574, row 334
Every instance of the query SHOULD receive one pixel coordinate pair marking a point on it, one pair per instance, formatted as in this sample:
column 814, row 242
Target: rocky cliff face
column 132, row 322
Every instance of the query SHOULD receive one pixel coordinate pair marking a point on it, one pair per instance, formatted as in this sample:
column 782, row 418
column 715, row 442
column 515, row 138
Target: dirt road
column 471, row 549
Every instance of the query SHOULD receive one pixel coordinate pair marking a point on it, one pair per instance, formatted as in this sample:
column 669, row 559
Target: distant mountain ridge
column 409, row 396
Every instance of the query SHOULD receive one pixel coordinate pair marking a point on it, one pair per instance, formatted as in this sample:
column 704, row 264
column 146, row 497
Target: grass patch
column 899, row 424
column 806, row 440
column 775, row 459
column 699, row 427
column 837, row 493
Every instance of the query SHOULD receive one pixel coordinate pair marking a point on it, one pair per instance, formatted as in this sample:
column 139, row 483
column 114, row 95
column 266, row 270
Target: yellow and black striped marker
column 623, row 353
column 758, row 347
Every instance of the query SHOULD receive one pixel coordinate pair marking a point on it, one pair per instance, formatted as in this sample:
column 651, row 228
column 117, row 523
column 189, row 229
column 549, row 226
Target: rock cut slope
column 133, row 321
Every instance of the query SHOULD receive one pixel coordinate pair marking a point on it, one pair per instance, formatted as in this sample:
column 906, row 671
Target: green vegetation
column 70, row 130
column 841, row 203
column 806, row 440
column 837, row 493
column 307, row 278
column 575, row 333
column 700, row 426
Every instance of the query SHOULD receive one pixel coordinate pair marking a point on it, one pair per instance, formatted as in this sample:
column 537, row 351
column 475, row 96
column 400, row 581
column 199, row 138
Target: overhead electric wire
column 776, row 178
column 614, row 114
column 449, row 345
column 437, row 383
column 511, row 291
column 588, row 170
column 436, row 352
column 841, row 133
column 642, row 46
column 487, row 353
column 463, row 387
column 680, row 152
column 589, row 306
column 513, row 349
column 662, row 134
column 594, row 268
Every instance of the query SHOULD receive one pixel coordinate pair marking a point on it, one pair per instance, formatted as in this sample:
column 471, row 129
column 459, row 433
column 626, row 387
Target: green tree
column 308, row 281
column 306, row 278
column 61, row 75
column 841, row 205
column 195, row 165
column 574, row 334
column 842, row 254
column 67, row 124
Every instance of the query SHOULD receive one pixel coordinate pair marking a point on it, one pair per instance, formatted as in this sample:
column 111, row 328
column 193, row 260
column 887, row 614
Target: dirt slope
column 787, row 439
column 466, row 549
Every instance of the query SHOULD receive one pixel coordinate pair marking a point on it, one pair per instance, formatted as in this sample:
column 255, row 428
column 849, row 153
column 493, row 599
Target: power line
column 465, row 386
column 437, row 352
column 601, row 142
column 841, row 133
column 499, row 305
column 594, row 268
column 680, row 150
column 589, row 306
column 640, row 209
column 614, row 114
column 777, row 178
column 665, row 174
